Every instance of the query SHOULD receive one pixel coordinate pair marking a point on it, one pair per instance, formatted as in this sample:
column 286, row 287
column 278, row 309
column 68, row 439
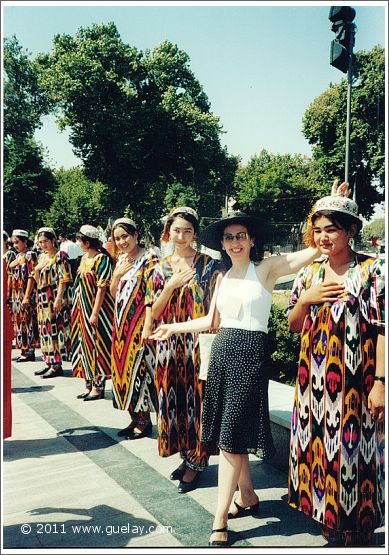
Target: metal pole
column 349, row 90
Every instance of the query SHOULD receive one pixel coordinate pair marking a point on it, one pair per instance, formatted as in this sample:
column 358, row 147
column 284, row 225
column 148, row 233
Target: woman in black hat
column 235, row 412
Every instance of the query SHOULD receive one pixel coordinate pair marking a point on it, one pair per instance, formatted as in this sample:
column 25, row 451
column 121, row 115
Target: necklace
column 132, row 259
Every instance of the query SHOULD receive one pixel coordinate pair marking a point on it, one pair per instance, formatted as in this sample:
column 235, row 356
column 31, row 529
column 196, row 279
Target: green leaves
column 139, row 121
column 77, row 201
column 324, row 125
column 24, row 100
column 278, row 188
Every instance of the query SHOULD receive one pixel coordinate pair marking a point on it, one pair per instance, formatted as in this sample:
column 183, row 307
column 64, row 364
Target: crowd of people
column 129, row 316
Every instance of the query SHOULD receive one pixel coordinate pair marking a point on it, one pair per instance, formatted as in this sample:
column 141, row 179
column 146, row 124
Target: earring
column 223, row 248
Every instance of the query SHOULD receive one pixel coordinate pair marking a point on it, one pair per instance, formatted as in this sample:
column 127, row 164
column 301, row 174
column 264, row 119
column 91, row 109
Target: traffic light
column 341, row 47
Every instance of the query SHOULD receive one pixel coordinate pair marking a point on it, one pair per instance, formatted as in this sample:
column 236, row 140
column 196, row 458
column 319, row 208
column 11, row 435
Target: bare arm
column 59, row 297
column 29, row 288
column 148, row 325
column 96, row 307
column 376, row 399
column 192, row 326
column 278, row 266
column 114, row 284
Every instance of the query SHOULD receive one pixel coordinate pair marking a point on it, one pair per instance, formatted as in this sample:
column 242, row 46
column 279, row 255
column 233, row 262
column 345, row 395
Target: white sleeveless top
column 244, row 304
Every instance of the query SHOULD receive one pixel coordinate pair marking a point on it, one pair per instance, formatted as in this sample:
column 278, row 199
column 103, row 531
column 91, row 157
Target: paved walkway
column 70, row 482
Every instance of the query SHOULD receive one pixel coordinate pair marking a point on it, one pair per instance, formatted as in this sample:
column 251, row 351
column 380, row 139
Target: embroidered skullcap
column 185, row 210
column 47, row 230
column 20, row 233
column 90, row 231
column 127, row 221
column 338, row 204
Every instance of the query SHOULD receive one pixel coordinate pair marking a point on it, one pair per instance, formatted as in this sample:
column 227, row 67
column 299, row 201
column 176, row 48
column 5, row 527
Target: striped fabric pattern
column 133, row 364
column 91, row 346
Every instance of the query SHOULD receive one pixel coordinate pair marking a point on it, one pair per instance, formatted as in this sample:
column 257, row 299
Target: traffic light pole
column 348, row 119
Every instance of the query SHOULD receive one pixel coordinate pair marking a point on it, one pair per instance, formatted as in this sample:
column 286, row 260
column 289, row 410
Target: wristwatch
column 379, row 379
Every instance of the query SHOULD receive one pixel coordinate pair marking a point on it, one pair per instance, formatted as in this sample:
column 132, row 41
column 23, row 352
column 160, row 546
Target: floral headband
column 46, row 230
column 185, row 210
column 127, row 221
column 338, row 204
column 20, row 233
column 90, row 231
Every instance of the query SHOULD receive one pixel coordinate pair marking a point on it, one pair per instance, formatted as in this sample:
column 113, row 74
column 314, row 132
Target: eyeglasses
column 241, row 236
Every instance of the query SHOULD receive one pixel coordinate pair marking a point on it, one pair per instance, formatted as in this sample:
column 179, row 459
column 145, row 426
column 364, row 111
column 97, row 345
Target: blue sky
column 260, row 65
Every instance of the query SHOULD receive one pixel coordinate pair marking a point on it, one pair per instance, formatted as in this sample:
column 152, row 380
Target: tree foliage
column 324, row 125
column 284, row 347
column 28, row 185
column 375, row 229
column 77, row 201
column 140, row 121
column 277, row 188
column 24, row 100
column 28, row 181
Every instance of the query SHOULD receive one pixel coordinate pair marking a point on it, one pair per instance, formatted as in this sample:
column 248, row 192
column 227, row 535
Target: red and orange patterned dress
column 54, row 327
column 337, row 450
column 179, row 390
column 24, row 318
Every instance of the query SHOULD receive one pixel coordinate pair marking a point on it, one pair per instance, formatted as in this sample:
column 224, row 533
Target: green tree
column 278, row 188
column 375, row 229
column 324, row 125
column 28, row 181
column 28, row 185
column 24, row 99
column 284, row 347
column 77, row 201
column 139, row 120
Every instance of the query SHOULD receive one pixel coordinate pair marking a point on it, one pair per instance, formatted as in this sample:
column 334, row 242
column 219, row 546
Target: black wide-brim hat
column 212, row 235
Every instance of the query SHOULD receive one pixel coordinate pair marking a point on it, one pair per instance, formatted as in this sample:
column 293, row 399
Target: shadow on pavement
column 99, row 526
column 32, row 389
column 86, row 438
column 283, row 521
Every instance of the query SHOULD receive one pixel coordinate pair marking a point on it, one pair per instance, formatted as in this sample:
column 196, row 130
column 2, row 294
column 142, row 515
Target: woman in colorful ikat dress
column 53, row 277
column 8, row 256
column 23, row 295
column 133, row 357
column 337, row 432
column 189, row 278
column 92, row 315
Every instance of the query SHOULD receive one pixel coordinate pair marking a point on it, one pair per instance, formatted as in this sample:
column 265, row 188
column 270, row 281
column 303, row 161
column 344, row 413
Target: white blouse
column 244, row 303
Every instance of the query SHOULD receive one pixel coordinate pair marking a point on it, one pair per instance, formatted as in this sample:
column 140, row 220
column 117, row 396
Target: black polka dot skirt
column 236, row 406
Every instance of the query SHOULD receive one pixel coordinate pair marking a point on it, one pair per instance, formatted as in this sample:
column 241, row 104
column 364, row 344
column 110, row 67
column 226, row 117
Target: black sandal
column 220, row 543
column 244, row 511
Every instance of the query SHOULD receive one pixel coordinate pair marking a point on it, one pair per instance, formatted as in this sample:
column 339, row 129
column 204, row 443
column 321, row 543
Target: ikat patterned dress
column 9, row 256
column 91, row 345
column 180, row 392
column 337, row 450
column 24, row 318
column 54, row 328
column 133, row 365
